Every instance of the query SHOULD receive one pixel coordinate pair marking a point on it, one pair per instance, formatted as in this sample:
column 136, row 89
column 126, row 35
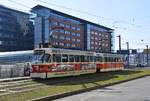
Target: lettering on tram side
column 61, row 67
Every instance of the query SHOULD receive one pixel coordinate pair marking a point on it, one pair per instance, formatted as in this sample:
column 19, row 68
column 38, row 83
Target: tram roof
column 66, row 51
column 109, row 55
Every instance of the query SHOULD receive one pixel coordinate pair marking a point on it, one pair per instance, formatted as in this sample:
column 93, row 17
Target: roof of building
column 2, row 6
column 67, row 15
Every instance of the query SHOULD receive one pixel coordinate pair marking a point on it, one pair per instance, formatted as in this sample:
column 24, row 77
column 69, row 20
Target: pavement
column 136, row 90
column 14, row 79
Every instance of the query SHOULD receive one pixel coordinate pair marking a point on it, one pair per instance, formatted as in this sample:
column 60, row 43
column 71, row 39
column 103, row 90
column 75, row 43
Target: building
column 16, row 31
column 65, row 31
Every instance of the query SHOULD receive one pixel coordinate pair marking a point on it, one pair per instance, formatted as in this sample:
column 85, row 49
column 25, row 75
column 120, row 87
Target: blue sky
column 129, row 18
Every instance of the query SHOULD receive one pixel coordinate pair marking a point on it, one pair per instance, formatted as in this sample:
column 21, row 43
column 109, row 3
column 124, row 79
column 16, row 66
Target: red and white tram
column 54, row 62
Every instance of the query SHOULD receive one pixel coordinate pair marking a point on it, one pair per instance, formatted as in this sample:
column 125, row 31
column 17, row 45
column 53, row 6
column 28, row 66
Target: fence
column 15, row 70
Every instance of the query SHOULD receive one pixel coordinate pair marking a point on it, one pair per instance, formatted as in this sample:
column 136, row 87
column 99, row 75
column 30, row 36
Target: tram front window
column 37, row 58
column 41, row 58
column 46, row 58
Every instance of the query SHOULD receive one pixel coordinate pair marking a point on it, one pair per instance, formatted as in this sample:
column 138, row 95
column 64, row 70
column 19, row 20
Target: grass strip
column 76, row 83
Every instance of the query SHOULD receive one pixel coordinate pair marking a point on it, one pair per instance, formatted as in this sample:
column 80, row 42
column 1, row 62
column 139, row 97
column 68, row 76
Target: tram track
column 28, row 85
column 20, row 86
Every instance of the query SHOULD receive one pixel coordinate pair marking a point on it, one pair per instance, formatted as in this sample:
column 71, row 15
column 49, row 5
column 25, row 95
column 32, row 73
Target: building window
column 96, row 43
column 61, row 31
column 92, row 37
column 54, row 23
column 62, row 25
column 96, row 38
column 92, row 32
column 78, row 34
column 73, row 27
column 68, row 45
column 78, row 28
column 73, row 39
column 106, row 36
column 92, row 42
column 73, row 45
column 55, row 36
column 0, row 42
column 0, row 27
column 73, row 34
column 61, row 44
column 62, row 37
column 92, row 47
column 100, row 34
column 96, row 33
column 68, row 38
column 106, row 45
column 56, row 43
column 67, row 32
column 78, row 40
column 67, row 26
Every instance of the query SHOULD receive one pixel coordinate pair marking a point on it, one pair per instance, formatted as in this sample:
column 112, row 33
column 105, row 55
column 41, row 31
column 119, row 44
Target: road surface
column 136, row 90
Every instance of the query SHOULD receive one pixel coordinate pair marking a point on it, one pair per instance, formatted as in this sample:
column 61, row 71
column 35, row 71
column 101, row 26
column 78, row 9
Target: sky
column 129, row 18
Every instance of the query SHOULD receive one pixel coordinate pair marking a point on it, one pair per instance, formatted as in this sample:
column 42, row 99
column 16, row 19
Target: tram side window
column 92, row 59
column 71, row 58
column 111, row 59
column 56, row 57
column 77, row 58
column 86, row 59
column 99, row 59
column 81, row 58
column 116, row 60
column 64, row 58
column 105, row 59
column 120, row 59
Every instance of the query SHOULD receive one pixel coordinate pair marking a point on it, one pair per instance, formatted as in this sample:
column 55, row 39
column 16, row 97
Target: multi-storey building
column 65, row 31
column 16, row 31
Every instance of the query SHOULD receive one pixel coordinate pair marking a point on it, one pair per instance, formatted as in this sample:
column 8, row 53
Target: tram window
column 71, row 58
column 111, row 59
column 91, row 58
column 86, row 59
column 77, row 58
column 56, row 57
column 119, row 59
column 64, row 58
column 81, row 58
column 116, row 60
column 46, row 58
column 107, row 59
column 99, row 59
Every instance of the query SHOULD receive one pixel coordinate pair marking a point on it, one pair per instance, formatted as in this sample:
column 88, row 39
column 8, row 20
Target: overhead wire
column 83, row 12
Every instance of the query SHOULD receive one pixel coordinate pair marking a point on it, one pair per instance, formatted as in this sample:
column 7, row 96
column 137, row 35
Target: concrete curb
column 13, row 79
column 61, row 95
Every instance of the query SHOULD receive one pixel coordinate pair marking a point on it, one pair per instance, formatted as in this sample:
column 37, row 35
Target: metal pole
column 119, row 36
column 128, row 53
column 147, row 54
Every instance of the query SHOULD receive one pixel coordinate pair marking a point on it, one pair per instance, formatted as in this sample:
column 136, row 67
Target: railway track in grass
column 18, row 86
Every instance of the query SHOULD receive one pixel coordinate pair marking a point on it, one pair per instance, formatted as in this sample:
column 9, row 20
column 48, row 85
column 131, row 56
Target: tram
column 54, row 62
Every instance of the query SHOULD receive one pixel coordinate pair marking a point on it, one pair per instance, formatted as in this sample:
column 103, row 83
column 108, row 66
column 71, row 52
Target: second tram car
column 54, row 62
